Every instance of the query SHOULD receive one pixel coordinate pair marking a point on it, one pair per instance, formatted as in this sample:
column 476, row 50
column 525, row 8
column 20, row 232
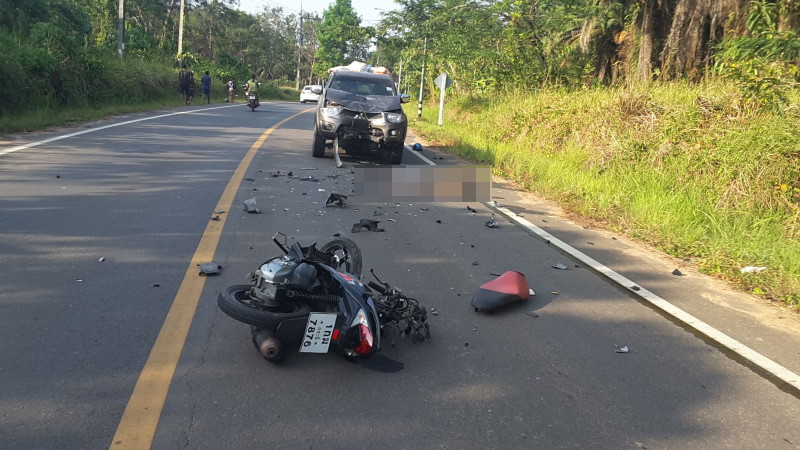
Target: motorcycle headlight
column 395, row 117
column 331, row 111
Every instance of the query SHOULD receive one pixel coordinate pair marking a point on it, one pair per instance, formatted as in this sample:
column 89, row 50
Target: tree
column 341, row 37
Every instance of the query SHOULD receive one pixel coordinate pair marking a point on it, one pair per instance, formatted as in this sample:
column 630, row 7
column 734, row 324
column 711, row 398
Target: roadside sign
column 443, row 82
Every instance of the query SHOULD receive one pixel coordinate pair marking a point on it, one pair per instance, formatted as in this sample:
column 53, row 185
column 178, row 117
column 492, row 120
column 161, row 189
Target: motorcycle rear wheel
column 235, row 301
column 348, row 254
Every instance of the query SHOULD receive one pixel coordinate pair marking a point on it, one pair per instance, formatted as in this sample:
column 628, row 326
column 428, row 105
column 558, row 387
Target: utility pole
column 422, row 79
column 180, row 32
column 299, row 48
column 121, row 29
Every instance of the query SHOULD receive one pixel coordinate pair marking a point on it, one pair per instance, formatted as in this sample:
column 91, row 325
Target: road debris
column 434, row 312
column 155, row 285
column 209, row 268
column 370, row 225
column 277, row 174
column 752, row 269
column 532, row 314
column 215, row 218
column 531, row 293
column 438, row 220
column 249, row 179
column 472, row 210
column 491, row 223
column 221, row 211
column 417, row 147
column 508, row 288
column 677, row 273
column 309, row 179
column 635, row 288
column 559, row 266
column 624, row 349
column 101, row 259
column 475, row 263
column 336, row 200
column 251, row 207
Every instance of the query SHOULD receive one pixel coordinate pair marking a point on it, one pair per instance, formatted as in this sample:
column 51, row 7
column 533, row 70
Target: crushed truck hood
column 369, row 104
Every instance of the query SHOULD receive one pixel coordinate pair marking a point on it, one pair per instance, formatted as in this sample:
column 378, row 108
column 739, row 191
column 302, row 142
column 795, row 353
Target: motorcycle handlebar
column 377, row 287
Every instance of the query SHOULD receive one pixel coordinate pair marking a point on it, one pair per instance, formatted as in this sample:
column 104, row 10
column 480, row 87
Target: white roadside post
column 442, row 82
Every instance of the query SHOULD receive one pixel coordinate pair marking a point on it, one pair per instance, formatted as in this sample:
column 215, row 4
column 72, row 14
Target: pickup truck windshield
column 359, row 85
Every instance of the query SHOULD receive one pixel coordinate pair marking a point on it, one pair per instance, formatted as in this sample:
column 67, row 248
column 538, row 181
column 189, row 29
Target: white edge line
column 77, row 133
column 420, row 156
column 778, row 371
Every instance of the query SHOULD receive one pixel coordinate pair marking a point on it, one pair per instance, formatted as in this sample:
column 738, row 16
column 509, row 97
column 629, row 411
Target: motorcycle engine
column 272, row 273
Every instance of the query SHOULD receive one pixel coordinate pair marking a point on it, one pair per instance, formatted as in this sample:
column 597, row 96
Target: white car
column 308, row 95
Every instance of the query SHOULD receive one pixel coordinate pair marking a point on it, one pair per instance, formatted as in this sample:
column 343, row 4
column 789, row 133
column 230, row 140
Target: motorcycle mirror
column 280, row 240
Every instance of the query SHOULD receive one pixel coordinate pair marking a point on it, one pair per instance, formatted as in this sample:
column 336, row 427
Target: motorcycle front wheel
column 347, row 255
column 235, row 301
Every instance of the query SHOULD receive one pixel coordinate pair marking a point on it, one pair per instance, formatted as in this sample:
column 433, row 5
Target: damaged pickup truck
column 363, row 112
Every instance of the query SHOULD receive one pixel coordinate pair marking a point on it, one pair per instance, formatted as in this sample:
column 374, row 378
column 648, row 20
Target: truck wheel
column 393, row 154
column 318, row 147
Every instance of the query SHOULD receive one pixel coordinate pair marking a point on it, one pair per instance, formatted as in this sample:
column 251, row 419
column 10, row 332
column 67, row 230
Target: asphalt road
column 98, row 231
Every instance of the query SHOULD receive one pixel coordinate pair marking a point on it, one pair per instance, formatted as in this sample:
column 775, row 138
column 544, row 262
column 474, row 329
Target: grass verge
column 689, row 169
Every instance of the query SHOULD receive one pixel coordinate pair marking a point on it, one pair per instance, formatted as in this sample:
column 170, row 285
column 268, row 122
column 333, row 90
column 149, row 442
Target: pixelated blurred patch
column 424, row 183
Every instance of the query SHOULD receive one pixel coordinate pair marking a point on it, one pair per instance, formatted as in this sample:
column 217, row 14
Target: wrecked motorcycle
column 314, row 297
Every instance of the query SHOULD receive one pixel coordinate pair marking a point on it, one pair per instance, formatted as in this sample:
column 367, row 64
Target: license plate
column 317, row 336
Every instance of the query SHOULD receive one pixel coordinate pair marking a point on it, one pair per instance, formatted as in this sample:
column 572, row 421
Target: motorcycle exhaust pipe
column 268, row 345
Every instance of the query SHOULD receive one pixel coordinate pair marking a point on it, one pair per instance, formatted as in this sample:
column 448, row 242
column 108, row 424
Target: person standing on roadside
column 190, row 90
column 231, row 87
column 183, row 83
column 205, row 81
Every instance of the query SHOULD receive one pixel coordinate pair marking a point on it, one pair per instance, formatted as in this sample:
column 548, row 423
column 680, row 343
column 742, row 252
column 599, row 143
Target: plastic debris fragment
column 336, row 200
column 621, row 349
column 531, row 293
column 434, row 312
column 101, row 259
column 251, row 207
column 370, row 225
column 491, row 223
column 209, row 268
column 753, row 269
column 559, row 266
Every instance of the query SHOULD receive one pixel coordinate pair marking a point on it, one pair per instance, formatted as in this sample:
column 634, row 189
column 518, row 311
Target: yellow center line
column 138, row 425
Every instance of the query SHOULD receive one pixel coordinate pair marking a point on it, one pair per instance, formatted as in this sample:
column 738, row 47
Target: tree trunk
column 697, row 26
column 646, row 36
column 789, row 16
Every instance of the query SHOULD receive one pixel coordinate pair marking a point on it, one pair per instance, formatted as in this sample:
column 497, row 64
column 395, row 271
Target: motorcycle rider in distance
column 252, row 86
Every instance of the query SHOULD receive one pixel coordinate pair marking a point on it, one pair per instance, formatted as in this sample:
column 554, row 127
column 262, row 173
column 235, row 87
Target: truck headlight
column 395, row 117
column 331, row 111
